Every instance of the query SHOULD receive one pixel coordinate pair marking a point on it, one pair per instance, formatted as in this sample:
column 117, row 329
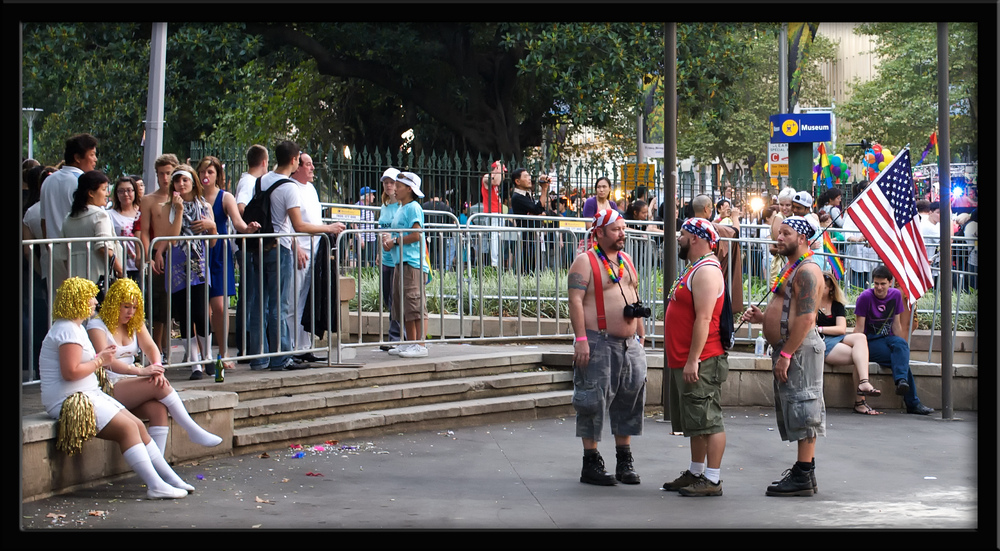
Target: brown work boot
column 701, row 488
column 685, row 479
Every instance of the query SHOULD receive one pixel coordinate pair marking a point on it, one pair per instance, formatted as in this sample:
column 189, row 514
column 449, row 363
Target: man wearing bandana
column 790, row 327
column 609, row 363
column 697, row 362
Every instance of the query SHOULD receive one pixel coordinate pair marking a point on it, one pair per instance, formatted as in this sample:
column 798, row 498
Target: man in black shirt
column 522, row 203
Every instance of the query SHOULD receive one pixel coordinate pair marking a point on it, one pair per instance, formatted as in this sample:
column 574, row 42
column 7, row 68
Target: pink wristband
column 785, row 354
column 580, row 339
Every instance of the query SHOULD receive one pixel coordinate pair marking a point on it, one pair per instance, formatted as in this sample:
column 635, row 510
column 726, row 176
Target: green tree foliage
column 900, row 105
column 93, row 78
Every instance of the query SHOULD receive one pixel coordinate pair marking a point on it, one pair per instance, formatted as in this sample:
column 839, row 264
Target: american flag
column 886, row 213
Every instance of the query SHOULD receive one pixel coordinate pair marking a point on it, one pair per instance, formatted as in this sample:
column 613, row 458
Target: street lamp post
column 29, row 115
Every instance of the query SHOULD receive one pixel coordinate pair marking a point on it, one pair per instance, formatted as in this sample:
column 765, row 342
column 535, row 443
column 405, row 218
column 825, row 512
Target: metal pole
column 783, row 69
column 944, row 170
column 153, row 141
column 669, row 188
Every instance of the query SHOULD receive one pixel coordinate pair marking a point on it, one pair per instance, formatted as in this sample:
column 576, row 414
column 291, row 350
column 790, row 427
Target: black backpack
column 259, row 209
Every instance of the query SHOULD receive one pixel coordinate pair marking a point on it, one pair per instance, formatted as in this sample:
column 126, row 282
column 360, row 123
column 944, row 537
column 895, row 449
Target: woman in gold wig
column 70, row 368
column 144, row 391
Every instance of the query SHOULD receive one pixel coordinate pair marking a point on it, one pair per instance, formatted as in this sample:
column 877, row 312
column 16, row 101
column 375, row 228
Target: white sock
column 712, row 475
column 163, row 468
column 159, row 435
column 697, row 468
column 137, row 457
column 197, row 434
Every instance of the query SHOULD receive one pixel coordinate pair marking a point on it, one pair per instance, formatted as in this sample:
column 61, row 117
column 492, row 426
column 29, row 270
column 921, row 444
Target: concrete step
column 417, row 417
column 267, row 384
column 298, row 406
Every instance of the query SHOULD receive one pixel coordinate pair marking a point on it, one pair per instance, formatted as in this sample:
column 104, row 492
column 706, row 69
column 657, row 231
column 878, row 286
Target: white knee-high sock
column 163, row 468
column 159, row 435
column 197, row 434
column 137, row 457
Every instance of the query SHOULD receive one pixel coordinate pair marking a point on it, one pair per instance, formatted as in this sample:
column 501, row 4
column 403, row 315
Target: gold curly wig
column 73, row 299
column 122, row 290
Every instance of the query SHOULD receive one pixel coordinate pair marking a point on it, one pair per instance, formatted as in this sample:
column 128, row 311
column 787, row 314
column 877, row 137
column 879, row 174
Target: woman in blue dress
column 222, row 283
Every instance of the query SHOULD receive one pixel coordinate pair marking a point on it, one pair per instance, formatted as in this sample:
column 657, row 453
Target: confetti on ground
column 263, row 455
column 295, row 446
column 310, row 473
column 259, row 500
column 299, row 455
column 200, row 477
column 97, row 513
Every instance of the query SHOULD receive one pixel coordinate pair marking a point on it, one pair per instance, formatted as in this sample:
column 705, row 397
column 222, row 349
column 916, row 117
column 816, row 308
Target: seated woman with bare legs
column 844, row 348
column 144, row 391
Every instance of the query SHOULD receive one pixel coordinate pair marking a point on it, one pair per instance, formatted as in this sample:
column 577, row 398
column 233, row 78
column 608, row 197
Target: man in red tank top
column 697, row 362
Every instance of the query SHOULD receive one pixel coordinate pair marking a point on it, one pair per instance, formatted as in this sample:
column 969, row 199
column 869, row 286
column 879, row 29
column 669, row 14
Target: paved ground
column 892, row 472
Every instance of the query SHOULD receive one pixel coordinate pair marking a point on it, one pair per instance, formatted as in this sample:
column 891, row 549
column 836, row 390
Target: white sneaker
column 169, row 492
column 395, row 350
column 414, row 351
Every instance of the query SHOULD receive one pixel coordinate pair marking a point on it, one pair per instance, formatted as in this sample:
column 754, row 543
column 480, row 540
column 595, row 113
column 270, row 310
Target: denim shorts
column 614, row 381
column 798, row 402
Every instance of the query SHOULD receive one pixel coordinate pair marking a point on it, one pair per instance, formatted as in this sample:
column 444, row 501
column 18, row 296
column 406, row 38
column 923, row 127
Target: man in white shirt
column 276, row 261
column 256, row 167
column 57, row 197
column 305, row 251
column 930, row 230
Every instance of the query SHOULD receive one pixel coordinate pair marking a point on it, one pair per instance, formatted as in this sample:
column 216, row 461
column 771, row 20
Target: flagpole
column 822, row 231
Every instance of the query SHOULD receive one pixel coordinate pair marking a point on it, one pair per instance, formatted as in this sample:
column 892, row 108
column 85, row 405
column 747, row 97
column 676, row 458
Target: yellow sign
column 343, row 212
column 637, row 175
column 790, row 128
column 572, row 224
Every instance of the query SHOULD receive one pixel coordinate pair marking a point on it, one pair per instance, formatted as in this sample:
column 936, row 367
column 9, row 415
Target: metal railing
column 526, row 293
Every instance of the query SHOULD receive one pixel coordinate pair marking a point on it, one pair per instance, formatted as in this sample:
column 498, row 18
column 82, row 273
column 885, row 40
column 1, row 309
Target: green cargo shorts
column 696, row 409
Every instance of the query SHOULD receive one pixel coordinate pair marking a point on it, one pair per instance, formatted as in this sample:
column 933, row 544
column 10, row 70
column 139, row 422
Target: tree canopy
column 900, row 105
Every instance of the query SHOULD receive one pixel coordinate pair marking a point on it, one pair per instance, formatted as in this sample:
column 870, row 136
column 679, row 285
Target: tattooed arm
column 578, row 282
column 806, row 288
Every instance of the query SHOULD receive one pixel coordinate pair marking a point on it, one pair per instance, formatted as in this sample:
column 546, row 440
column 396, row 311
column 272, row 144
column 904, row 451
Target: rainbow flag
column 836, row 265
column 824, row 163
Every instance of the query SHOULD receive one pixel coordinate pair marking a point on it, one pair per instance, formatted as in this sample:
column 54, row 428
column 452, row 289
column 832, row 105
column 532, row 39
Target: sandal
column 873, row 392
column 868, row 409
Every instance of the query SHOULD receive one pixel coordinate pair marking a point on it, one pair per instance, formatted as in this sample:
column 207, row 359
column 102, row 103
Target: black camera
column 637, row 310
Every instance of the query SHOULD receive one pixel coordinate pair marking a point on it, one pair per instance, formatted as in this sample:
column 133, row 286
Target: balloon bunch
column 835, row 170
column 875, row 160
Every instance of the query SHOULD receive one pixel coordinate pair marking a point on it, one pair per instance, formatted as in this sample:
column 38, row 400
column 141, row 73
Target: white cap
column 390, row 173
column 412, row 180
column 803, row 198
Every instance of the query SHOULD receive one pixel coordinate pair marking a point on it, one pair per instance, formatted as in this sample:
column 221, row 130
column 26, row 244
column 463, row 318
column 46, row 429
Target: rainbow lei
column 788, row 271
column 607, row 264
column 682, row 279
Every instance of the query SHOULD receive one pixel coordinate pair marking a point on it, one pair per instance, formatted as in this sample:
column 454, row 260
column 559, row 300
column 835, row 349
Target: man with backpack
column 277, row 207
column 609, row 363
column 697, row 359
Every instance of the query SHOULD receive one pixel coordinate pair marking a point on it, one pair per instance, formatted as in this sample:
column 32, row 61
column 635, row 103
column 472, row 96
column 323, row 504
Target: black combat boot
column 796, row 482
column 593, row 470
column 624, row 472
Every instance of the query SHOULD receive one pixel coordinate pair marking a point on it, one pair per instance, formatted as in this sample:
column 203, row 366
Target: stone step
column 267, row 384
column 418, row 417
column 297, row 406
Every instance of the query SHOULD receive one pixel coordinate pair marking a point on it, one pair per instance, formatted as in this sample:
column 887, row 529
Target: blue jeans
column 277, row 264
column 893, row 352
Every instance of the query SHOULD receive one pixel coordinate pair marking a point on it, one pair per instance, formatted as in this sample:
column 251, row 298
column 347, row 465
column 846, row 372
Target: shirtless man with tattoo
column 790, row 327
column 609, row 363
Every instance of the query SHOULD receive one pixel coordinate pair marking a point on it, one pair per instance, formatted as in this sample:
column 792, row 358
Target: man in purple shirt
column 877, row 312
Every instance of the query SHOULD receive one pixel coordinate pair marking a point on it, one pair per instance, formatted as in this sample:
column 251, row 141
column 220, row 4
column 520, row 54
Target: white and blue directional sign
column 801, row 127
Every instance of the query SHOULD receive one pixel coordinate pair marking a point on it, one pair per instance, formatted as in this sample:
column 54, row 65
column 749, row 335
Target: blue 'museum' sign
column 797, row 128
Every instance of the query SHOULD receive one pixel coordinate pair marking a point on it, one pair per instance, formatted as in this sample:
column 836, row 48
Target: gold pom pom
column 77, row 424
column 104, row 381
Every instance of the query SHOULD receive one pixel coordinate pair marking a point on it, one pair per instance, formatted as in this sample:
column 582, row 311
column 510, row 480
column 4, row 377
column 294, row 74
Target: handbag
column 178, row 279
